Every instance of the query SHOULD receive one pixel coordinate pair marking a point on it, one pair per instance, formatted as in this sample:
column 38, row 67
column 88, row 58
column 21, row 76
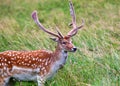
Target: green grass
column 97, row 61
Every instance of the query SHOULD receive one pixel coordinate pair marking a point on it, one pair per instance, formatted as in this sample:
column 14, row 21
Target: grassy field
column 97, row 61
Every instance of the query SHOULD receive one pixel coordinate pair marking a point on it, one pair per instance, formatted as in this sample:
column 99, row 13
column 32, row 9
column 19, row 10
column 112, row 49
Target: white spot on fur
column 46, row 63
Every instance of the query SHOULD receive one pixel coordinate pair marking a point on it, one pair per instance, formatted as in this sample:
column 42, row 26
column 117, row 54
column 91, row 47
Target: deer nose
column 74, row 49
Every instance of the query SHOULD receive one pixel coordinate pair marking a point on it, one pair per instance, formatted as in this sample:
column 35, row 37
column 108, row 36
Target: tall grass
column 97, row 61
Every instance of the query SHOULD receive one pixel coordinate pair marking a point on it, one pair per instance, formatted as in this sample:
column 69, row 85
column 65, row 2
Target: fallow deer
column 38, row 65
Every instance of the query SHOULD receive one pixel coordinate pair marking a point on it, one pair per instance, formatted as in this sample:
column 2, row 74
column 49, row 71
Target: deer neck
column 60, row 54
column 60, row 57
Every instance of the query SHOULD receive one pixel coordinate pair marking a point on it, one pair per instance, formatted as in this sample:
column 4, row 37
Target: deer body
column 28, row 65
column 38, row 65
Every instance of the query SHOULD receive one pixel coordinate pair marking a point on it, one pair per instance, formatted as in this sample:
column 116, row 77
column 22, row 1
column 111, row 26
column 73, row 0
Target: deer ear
column 54, row 39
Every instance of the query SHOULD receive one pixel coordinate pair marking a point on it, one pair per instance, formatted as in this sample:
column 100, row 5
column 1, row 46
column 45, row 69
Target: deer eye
column 64, row 42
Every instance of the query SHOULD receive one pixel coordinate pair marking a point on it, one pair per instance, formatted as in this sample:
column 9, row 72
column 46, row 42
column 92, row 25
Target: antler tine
column 59, row 33
column 74, row 31
column 75, row 28
column 35, row 18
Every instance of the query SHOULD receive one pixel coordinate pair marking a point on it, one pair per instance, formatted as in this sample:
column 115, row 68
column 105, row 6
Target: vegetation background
column 97, row 60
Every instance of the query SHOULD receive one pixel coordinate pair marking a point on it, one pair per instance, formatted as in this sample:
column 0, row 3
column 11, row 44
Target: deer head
column 64, row 42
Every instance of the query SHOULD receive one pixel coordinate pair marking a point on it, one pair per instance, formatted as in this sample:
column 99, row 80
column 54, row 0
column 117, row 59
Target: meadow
column 97, row 60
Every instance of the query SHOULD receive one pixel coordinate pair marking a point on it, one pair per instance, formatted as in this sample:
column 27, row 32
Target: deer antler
column 75, row 28
column 35, row 18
